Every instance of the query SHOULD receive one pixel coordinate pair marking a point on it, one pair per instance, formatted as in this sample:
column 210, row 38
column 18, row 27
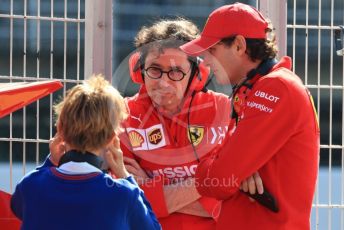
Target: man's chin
column 163, row 96
column 221, row 77
column 222, row 80
column 167, row 108
column 163, row 102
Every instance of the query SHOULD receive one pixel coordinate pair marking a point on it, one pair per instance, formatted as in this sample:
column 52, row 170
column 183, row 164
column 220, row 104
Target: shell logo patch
column 147, row 139
column 136, row 139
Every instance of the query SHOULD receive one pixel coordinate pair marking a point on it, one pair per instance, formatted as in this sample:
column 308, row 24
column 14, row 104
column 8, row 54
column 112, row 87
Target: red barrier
column 14, row 96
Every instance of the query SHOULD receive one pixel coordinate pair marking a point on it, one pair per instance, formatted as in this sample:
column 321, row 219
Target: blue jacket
column 47, row 198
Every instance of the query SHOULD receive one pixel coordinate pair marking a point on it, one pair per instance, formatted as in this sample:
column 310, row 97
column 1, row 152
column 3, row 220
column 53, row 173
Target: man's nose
column 164, row 80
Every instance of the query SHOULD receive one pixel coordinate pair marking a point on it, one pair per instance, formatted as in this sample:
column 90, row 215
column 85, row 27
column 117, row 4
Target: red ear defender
column 135, row 68
column 201, row 77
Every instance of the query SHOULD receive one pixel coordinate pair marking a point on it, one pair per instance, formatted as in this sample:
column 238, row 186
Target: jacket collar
column 76, row 156
column 284, row 62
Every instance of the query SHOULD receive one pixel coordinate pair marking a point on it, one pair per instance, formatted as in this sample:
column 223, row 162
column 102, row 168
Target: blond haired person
column 78, row 194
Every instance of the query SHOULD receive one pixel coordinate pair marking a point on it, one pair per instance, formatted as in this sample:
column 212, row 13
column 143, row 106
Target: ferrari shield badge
column 195, row 134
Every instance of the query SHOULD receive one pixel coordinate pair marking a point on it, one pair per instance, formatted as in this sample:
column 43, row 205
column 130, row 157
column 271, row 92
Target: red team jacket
column 278, row 136
column 162, row 147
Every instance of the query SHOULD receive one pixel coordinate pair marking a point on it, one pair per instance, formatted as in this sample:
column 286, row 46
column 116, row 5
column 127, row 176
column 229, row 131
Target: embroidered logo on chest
column 155, row 136
column 136, row 139
column 195, row 134
column 147, row 139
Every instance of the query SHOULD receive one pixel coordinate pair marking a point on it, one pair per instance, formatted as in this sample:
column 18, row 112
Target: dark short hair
column 166, row 33
column 257, row 49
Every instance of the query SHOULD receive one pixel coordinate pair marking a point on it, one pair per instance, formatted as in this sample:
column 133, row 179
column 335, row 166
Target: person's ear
column 59, row 129
column 111, row 139
column 240, row 44
column 58, row 126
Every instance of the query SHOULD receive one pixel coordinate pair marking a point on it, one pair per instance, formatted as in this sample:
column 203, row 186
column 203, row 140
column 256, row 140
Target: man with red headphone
column 173, row 123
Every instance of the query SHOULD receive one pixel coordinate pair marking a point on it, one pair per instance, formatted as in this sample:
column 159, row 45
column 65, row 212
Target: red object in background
column 14, row 96
column 8, row 220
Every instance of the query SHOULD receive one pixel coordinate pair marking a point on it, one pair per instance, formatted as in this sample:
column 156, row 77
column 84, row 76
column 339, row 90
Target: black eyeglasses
column 173, row 74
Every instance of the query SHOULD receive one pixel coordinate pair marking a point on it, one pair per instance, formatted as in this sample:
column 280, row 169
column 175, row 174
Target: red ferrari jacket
column 162, row 146
column 277, row 134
